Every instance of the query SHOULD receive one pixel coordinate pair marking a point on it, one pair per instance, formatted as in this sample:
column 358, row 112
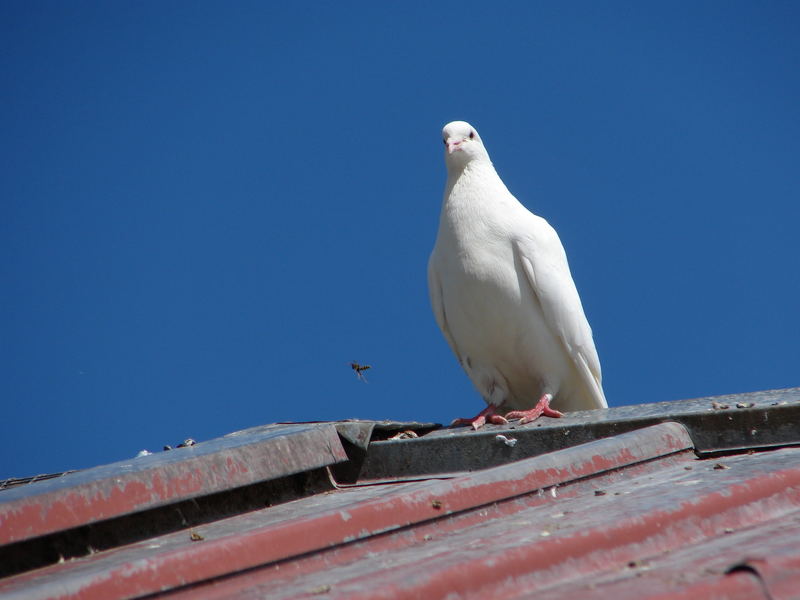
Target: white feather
column 502, row 292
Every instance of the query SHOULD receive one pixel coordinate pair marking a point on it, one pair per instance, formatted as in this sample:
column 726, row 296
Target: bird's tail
column 593, row 383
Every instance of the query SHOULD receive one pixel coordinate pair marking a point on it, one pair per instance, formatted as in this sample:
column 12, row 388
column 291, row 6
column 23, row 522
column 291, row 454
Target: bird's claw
column 478, row 421
column 542, row 408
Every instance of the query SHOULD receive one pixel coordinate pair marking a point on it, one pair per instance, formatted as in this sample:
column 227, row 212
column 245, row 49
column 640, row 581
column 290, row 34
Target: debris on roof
column 687, row 499
column 15, row 481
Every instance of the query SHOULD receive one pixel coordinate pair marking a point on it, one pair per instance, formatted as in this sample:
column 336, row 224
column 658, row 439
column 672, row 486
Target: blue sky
column 209, row 209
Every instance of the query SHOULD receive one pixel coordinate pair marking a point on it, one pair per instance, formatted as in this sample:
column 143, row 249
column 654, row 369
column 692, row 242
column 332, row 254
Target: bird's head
column 462, row 145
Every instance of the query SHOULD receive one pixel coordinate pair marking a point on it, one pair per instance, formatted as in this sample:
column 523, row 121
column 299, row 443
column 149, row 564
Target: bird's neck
column 474, row 203
column 474, row 177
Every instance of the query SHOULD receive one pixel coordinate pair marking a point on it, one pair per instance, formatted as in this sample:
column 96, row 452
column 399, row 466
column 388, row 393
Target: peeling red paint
column 587, row 522
column 235, row 466
column 25, row 513
column 388, row 512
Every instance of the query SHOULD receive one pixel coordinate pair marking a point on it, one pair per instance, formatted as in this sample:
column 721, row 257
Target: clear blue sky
column 209, row 208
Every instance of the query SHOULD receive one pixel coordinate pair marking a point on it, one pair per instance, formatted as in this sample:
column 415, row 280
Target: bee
column 359, row 370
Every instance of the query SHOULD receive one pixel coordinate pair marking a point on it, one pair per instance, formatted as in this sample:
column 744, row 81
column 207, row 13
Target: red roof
column 692, row 499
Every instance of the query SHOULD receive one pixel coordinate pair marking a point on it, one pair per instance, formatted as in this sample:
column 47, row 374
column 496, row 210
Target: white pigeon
column 503, row 295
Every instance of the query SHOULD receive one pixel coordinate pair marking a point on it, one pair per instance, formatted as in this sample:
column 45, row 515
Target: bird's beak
column 453, row 145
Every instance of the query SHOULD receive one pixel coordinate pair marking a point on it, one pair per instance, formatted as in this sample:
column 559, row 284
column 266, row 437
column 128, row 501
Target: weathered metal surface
column 302, row 571
column 357, row 433
column 317, row 524
column 763, row 560
column 674, row 532
column 146, row 482
column 636, row 515
column 721, row 423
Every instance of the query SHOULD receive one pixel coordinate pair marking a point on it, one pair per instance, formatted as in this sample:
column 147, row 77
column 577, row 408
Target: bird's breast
column 482, row 287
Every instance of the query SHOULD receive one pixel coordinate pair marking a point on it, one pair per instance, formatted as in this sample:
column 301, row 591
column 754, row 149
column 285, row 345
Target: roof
column 686, row 499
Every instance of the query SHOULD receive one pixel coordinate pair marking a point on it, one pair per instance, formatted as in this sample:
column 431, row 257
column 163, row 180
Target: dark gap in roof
column 357, row 438
column 348, row 472
column 746, row 450
column 81, row 541
column 389, row 430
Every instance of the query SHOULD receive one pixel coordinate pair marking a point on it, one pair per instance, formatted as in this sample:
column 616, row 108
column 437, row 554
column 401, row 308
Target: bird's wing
column 437, row 303
column 546, row 269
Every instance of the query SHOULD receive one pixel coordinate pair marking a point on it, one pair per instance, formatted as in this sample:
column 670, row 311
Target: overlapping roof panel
column 638, row 512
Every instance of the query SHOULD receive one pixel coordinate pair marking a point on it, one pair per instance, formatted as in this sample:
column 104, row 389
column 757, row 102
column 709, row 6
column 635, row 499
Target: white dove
column 503, row 295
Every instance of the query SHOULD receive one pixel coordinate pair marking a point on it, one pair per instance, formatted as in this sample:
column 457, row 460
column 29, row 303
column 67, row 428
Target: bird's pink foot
column 479, row 420
column 541, row 408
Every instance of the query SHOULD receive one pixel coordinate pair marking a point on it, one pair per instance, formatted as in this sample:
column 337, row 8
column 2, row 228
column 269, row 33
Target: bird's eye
column 472, row 135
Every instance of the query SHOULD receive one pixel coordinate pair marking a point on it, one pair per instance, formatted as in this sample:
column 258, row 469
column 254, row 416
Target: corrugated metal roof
column 639, row 513
column 147, row 482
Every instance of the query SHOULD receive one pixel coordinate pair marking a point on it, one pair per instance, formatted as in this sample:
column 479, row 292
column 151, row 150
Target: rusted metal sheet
column 716, row 424
column 762, row 560
column 316, row 524
column 678, row 531
column 146, row 482
column 634, row 515
column 318, row 570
